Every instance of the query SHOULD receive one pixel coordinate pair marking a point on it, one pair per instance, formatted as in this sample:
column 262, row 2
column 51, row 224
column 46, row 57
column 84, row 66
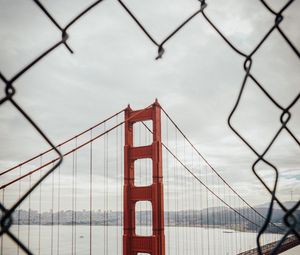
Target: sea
column 107, row 240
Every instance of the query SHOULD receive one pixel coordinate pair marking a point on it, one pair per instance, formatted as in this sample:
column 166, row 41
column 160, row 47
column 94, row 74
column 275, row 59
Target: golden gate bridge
column 138, row 185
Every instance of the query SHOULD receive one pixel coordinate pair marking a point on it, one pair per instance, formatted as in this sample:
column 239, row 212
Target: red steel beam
column 289, row 243
column 133, row 243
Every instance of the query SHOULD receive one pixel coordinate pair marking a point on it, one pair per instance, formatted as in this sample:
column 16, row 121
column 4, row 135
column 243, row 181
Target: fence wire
column 289, row 219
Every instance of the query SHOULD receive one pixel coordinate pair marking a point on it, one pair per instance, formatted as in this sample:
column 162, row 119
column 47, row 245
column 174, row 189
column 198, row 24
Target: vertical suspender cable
column 121, row 147
column 75, row 196
column 106, row 189
column 52, row 211
column 29, row 213
column 207, row 216
column 244, row 229
column 235, row 225
column 239, row 225
column 73, row 206
column 188, row 237
column 184, row 199
column 195, row 218
column 168, row 185
column 58, row 209
column 194, row 211
column 222, row 220
column 139, row 210
column 231, row 224
column 107, row 194
column 19, row 190
column 225, row 219
column 219, row 219
column 247, row 243
column 140, row 179
column 40, row 209
column 213, row 215
column 149, row 209
column 3, row 192
column 104, row 194
column 117, row 178
column 201, row 216
column 148, row 178
column 228, row 212
column 176, row 196
column 220, row 216
column 91, row 191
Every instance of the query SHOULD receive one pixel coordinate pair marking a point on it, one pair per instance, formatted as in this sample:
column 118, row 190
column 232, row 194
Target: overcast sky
column 197, row 80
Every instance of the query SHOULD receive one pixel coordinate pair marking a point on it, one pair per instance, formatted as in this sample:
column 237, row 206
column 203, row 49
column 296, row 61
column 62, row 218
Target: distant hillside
column 212, row 217
column 287, row 204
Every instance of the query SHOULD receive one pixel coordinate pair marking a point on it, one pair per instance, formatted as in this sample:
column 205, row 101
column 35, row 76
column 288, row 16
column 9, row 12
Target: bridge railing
column 267, row 249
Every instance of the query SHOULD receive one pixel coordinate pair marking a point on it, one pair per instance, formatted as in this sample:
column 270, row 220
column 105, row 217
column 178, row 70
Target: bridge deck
column 266, row 249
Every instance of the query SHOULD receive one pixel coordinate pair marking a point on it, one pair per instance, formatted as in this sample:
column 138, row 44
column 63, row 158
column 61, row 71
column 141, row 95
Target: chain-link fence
column 286, row 111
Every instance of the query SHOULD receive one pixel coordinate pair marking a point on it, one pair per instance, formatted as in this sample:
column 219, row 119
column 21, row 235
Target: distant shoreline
column 232, row 230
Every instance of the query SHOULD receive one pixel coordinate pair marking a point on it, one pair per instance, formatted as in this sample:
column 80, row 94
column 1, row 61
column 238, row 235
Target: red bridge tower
column 132, row 243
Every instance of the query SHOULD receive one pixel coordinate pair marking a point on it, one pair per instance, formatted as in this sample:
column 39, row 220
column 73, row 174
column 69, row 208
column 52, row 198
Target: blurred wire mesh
column 290, row 220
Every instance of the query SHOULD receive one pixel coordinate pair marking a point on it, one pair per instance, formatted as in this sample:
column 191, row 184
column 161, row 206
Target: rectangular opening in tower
column 143, row 218
column 143, row 133
column 143, row 172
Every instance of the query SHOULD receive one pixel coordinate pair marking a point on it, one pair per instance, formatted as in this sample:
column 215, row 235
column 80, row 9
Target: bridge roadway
column 289, row 243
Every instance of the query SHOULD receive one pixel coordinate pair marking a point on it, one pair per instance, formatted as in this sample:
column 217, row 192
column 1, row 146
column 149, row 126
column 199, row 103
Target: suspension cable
column 197, row 178
column 212, row 168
